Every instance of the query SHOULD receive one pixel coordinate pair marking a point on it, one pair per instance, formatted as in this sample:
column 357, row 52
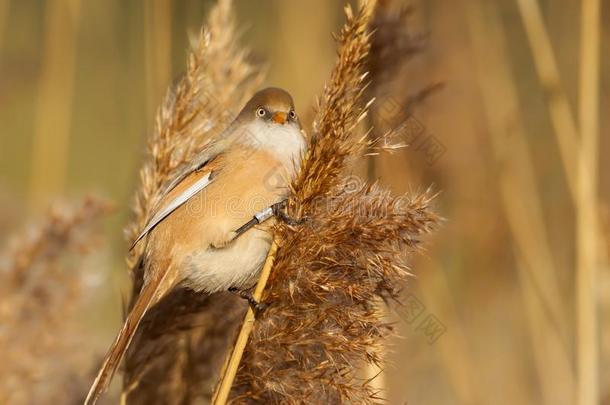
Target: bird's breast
column 198, row 236
column 285, row 143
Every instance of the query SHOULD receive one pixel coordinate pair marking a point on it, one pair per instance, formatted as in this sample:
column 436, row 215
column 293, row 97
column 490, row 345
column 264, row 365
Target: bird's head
column 273, row 106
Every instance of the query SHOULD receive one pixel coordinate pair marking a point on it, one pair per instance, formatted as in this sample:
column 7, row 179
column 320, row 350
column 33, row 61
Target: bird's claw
column 278, row 211
column 257, row 307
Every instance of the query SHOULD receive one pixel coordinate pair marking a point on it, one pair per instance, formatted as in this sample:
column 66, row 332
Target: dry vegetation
column 42, row 287
column 329, row 274
column 323, row 324
column 176, row 354
column 180, row 345
column 519, row 275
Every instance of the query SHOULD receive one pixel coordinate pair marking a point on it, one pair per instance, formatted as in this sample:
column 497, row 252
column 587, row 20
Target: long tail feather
column 150, row 294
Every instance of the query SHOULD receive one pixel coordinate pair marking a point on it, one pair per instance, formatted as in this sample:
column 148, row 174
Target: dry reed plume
column 41, row 288
column 323, row 323
column 181, row 342
column 519, row 275
column 392, row 44
column 330, row 273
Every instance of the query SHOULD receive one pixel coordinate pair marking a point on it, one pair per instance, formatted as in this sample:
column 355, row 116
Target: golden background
column 80, row 82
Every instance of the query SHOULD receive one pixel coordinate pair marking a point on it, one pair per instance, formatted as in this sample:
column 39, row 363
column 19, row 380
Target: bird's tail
column 150, row 294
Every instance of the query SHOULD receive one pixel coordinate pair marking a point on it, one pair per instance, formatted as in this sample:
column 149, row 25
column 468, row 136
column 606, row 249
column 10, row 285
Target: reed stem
column 51, row 142
column 562, row 119
column 587, row 230
column 232, row 364
column 523, row 208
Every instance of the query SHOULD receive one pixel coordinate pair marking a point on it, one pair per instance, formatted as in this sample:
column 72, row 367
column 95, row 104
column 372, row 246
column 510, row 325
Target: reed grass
column 324, row 323
column 565, row 126
column 500, row 297
column 374, row 380
column 562, row 118
column 373, row 372
column 330, row 274
column 580, row 162
column 180, row 345
column 50, row 148
column 394, row 44
column 588, row 231
column 453, row 348
column 42, row 285
column 229, row 371
column 183, row 127
column 523, row 210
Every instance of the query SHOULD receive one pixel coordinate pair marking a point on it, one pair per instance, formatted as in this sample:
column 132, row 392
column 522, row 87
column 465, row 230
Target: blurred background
column 511, row 300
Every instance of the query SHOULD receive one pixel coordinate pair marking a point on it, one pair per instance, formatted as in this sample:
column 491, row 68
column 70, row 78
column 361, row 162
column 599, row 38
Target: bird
column 196, row 237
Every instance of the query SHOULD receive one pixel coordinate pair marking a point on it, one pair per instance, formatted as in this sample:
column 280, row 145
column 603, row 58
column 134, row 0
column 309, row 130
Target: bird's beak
column 279, row 117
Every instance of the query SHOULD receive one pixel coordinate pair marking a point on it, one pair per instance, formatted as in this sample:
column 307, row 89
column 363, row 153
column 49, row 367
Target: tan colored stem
column 230, row 368
column 580, row 164
column 453, row 348
column 562, row 118
column 587, row 230
column 51, row 141
column 544, row 302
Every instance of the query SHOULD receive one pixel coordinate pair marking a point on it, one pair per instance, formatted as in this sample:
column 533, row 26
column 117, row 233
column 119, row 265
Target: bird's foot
column 273, row 210
column 278, row 212
column 257, row 307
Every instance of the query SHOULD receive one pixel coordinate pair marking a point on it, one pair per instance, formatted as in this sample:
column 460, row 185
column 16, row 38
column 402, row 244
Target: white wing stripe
column 175, row 203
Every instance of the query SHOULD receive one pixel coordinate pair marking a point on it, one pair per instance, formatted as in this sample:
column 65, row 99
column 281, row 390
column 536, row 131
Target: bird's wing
column 174, row 203
column 198, row 163
column 193, row 178
column 210, row 151
column 196, row 176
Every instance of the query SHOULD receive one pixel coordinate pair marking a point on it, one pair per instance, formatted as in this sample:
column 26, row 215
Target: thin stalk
column 452, row 348
column 54, row 105
column 587, row 229
column 562, row 118
column 232, row 364
column 523, row 208
column 373, row 372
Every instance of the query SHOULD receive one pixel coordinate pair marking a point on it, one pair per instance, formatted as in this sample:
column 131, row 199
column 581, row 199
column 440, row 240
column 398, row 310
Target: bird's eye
column 260, row 112
column 292, row 114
